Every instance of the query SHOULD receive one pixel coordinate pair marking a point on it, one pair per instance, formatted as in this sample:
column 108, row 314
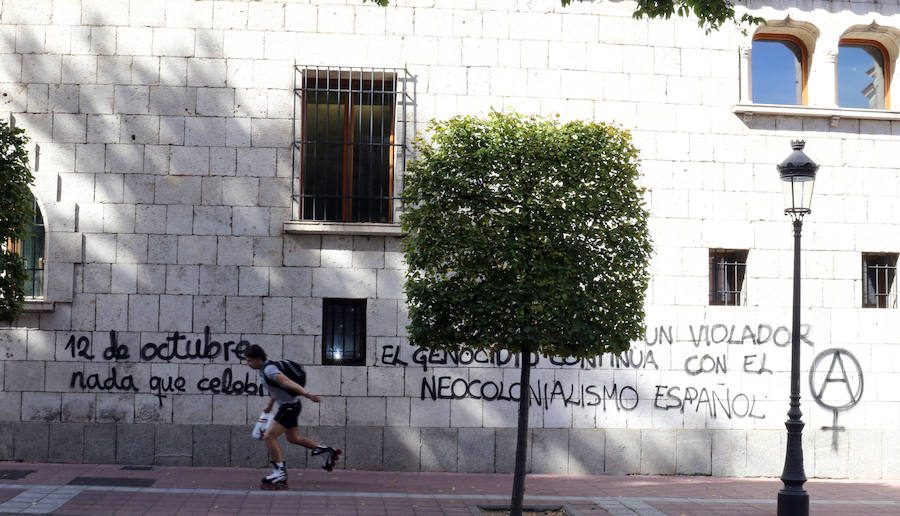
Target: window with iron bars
column 727, row 269
column 344, row 331
column 349, row 143
column 32, row 249
column 878, row 273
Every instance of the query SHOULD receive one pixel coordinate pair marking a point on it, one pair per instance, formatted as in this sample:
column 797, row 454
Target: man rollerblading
column 287, row 393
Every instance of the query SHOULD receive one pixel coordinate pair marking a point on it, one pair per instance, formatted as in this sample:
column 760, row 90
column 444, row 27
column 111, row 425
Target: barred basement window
column 726, row 276
column 346, row 142
column 878, row 273
column 344, row 336
column 32, row 249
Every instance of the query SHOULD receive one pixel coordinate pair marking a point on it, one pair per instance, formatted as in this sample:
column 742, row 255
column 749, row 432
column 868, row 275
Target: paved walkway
column 116, row 490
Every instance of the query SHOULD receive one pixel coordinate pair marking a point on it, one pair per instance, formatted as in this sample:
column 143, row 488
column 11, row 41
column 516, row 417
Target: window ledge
column 834, row 113
column 37, row 305
column 342, row 228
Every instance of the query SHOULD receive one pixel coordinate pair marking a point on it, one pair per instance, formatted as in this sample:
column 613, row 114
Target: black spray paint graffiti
column 852, row 382
column 393, row 355
column 748, row 335
column 162, row 386
column 542, row 393
column 702, row 364
column 728, row 334
column 175, row 346
column 712, row 402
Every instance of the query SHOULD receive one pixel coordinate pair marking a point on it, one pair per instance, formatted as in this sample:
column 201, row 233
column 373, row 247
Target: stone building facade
column 168, row 142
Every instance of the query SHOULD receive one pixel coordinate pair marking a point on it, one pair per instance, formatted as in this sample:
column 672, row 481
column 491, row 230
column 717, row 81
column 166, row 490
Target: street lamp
column 798, row 174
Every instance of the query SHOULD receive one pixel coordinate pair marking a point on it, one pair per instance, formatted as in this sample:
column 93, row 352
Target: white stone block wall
column 160, row 140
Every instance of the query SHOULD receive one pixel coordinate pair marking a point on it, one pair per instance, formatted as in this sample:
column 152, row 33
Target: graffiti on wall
column 717, row 400
column 835, row 387
column 707, row 358
column 176, row 346
column 713, row 362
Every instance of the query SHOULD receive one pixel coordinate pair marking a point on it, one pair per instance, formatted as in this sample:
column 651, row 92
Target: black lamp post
column 798, row 174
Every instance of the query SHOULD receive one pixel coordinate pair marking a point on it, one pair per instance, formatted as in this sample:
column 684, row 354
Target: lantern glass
column 798, row 193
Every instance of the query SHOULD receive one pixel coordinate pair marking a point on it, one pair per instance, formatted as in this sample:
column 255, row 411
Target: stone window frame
column 39, row 253
column 358, row 333
column 803, row 34
column 886, row 60
column 404, row 122
column 885, row 267
column 824, row 73
column 63, row 249
column 737, row 266
column 804, row 61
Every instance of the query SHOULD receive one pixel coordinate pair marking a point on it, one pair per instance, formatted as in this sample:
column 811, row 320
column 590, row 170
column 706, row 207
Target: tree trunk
column 518, row 492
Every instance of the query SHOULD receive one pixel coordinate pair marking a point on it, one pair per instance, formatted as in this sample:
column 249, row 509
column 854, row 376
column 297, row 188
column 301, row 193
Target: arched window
column 32, row 249
column 863, row 71
column 779, row 69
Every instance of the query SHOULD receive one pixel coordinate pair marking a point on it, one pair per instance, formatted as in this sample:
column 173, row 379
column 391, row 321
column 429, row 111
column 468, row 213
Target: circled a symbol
column 837, row 374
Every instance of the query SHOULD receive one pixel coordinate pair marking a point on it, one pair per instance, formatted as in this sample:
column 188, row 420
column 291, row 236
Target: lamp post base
column 793, row 503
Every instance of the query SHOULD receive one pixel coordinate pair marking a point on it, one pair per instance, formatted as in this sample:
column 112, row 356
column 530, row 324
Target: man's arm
column 269, row 405
column 287, row 383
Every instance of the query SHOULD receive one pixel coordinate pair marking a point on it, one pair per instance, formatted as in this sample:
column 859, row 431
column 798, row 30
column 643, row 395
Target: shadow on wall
column 174, row 163
column 179, row 165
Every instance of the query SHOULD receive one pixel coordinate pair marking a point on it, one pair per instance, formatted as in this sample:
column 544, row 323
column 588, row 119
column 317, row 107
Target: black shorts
column 287, row 414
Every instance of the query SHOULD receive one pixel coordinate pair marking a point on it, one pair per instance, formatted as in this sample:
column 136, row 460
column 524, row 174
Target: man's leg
column 278, row 478
column 294, row 437
column 272, row 434
column 329, row 455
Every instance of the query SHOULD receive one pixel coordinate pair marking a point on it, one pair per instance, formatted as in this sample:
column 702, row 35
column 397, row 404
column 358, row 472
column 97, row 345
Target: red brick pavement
column 235, row 491
column 6, row 494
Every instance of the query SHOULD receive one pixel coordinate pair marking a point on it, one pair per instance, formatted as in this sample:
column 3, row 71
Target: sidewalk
column 114, row 490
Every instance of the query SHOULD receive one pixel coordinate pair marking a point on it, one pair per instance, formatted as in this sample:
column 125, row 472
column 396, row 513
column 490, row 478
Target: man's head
column 256, row 356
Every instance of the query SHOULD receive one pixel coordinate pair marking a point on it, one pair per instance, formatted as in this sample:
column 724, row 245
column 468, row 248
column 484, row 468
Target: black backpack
column 291, row 369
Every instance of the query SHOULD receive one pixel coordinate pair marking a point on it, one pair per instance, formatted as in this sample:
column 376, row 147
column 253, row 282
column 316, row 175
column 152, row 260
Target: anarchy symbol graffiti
column 836, row 388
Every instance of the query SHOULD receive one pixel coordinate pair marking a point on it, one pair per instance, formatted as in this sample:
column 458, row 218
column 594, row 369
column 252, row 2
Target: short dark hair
column 255, row 351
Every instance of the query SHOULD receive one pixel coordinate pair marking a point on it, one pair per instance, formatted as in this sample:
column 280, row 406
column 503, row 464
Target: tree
column 527, row 235
column 711, row 14
column 16, row 212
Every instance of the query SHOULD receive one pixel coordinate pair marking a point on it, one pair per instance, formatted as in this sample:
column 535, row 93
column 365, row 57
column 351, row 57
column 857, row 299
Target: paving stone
column 66, row 442
column 401, row 448
column 550, row 450
column 364, row 447
column 135, row 443
column 7, row 448
column 439, row 448
column 211, row 445
column 693, row 453
column 476, row 450
column 31, row 441
column 623, row 452
column 174, row 445
column 586, row 451
column 100, row 443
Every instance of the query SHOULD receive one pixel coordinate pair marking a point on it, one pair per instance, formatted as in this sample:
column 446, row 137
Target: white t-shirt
column 280, row 394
